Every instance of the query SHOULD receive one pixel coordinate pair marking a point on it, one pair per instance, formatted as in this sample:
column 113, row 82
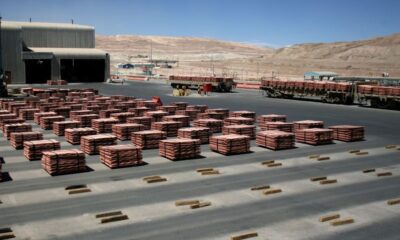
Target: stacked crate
column 60, row 162
column 275, row 140
column 230, row 144
column 17, row 139
column 347, row 133
column 171, row 128
column 178, row 149
column 213, row 124
column 201, row 133
column 248, row 130
column 104, row 125
column 145, row 121
column 33, row 149
column 90, row 144
column 314, row 136
column 117, row 156
column 73, row 135
column 59, row 127
column 148, row 139
column 123, row 131
column 18, row 127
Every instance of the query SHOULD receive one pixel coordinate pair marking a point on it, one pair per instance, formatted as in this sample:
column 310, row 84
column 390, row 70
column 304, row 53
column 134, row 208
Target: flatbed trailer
column 218, row 84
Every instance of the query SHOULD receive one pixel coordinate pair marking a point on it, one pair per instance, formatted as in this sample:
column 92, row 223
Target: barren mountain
column 201, row 56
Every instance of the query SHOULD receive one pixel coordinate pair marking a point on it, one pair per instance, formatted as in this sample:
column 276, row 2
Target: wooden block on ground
column 314, row 179
column 354, row 151
column 244, row 236
column 384, row 174
column 323, row 158
column 76, row 187
column 200, row 205
column 156, row 180
column 327, row 181
column 150, row 177
column 391, row 146
column 313, row 156
column 329, row 217
column 361, row 153
column 272, row 191
column 274, row 164
column 393, row 201
column 268, row 162
column 369, row 170
column 213, row 172
column 114, row 219
column 344, row 221
column 82, row 190
column 108, row 214
column 186, row 202
column 204, row 170
column 260, row 188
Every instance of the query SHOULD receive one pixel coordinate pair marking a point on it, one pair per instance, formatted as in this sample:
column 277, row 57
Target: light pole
column 3, row 90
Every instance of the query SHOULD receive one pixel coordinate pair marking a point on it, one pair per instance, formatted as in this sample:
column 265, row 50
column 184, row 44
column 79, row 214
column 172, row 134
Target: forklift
column 3, row 87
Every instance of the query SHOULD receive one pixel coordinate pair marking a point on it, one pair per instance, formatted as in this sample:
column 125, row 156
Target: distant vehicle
column 218, row 84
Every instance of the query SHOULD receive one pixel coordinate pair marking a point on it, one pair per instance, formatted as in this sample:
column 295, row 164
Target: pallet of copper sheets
column 224, row 111
column 180, row 105
column 191, row 113
column 86, row 119
column 10, row 121
column 59, row 162
column 276, row 140
column 280, row 126
column 248, row 130
column 230, row 144
column 139, row 111
column 17, row 127
column 201, row 108
column 347, row 133
column 213, row 124
column 62, row 111
column 4, row 112
column 238, row 120
column 314, row 136
column 156, row 116
column 59, row 127
column 28, row 113
column 47, row 107
column 307, row 124
column 270, row 118
column 104, row 125
column 94, row 108
column 13, row 106
column 171, row 128
column 145, row 121
column 201, row 133
column 245, row 114
column 107, row 113
column 118, row 156
column 90, row 144
column 148, row 139
column 121, row 117
column 148, row 103
column 123, row 130
column 33, row 149
column 73, row 114
column 47, row 122
column 73, row 135
column 17, row 139
column 39, row 115
column 218, row 116
column 7, row 116
column 179, row 149
column 182, row 119
column 168, row 108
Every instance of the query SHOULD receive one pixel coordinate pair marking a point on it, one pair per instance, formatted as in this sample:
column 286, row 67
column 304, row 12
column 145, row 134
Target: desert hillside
column 202, row 56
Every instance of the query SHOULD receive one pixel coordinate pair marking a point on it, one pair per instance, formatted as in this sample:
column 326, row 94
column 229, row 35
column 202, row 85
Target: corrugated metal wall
column 12, row 53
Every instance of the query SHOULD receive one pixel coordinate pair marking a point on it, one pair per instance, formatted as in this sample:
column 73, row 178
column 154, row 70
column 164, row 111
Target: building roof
column 42, row 25
column 69, row 52
column 320, row 74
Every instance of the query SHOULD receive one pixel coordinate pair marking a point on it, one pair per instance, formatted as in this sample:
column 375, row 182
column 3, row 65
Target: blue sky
column 270, row 22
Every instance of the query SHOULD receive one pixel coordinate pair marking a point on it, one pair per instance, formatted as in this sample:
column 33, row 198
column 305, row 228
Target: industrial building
column 34, row 52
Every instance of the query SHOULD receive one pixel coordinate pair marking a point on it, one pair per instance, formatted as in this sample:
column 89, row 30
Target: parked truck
column 217, row 84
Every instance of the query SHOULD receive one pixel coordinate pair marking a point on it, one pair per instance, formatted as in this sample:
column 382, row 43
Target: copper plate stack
column 10, row 121
column 18, row 127
column 201, row 108
column 17, row 139
column 307, row 124
column 271, row 118
column 248, row 130
column 148, row 139
column 62, row 111
column 156, row 116
column 177, row 149
column 275, row 139
column 33, row 149
column 28, row 113
column 224, row 111
column 118, row 156
column 90, row 144
column 73, row 114
column 314, row 136
column 192, row 113
column 180, row 105
column 73, row 135
column 94, row 108
column 171, row 128
column 104, row 125
column 148, row 103
column 37, row 116
column 238, row 120
column 63, row 162
column 168, row 108
column 213, row 124
column 145, row 121
column 218, row 116
column 123, row 130
column 121, row 117
column 6, row 117
column 280, row 126
column 230, row 144
column 245, row 114
column 59, row 127
column 139, row 111
column 107, row 113
column 47, row 122
column 184, row 120
column 201, row 133
column 86, row 119
column 347, row 133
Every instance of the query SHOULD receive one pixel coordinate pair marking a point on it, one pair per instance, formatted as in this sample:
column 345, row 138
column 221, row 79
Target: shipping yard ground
column 36, row 206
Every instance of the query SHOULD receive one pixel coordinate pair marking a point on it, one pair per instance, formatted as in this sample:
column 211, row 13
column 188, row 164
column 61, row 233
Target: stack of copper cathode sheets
column 86, row 119
column 168, row 108
column 180, row 105
column 192, row 113
column 73, row 114
column 33, row 149
column 248, row 130
column 145, row 121
column 280, row 126
column 10, row 121
column 213, row 124
column 59, row 127
column 63, row 161
column 47, row 122
column 307, row 124
column 148, row 139
column 230, row 144
column 171, row 128
column 107, row 113
column 347, row 133
column 275, row 139
column 238, row 120
column 139, row 111
column 73, row 135
column 184, row 120
column 28, row 113
column 314, row 136
column 18, row 138
column 156, row 116
column 17, row 127
column 177, row 149
column 271, row 118
column 91, row 144
column 200, row 108
column 117, row 156
column 39, row 115
column 245, row 114
column 213, row 115
column 123, row 130
column 201, row 133
column 223, row 111
column 104, row 125
column 122, row 116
